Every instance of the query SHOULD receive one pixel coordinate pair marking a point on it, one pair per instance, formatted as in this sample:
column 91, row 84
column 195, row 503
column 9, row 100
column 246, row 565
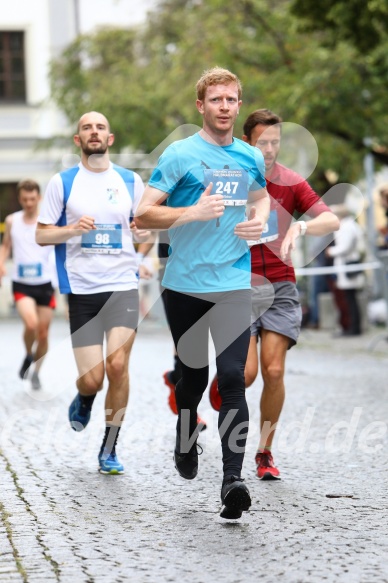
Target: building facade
column 32, row 33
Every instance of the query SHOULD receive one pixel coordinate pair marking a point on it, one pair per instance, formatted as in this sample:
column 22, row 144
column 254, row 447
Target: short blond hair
column 216, row 76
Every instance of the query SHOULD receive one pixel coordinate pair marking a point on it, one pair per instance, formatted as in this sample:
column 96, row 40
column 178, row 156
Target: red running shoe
column 265, row 467
column 214, row 395
column 171, row 396
column 172, row 401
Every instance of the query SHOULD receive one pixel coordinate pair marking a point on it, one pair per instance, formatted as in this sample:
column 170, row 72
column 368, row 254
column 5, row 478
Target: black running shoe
column 235, row 498
column 27, row 362
column 187, row 463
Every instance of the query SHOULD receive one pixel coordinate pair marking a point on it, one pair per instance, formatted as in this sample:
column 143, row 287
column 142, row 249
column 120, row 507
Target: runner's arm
column 323, row 224
column 54, row 235
column 145, row 248
column 5, row 248
column 151, row 214
column 344, row 243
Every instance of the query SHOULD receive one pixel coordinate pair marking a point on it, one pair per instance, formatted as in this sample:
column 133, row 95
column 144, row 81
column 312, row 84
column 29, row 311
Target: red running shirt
column 289, row 193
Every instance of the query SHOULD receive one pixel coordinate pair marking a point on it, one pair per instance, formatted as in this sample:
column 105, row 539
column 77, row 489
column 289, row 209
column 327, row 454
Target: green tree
column 106, row 72
column 364, row 23
column 144, row 80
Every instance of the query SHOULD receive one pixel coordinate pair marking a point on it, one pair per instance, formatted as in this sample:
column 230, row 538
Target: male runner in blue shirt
column 208, row 180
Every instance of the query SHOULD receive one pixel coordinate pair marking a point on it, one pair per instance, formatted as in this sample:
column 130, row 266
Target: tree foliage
column 364, row 23
column 105, row 72
column 144, row 80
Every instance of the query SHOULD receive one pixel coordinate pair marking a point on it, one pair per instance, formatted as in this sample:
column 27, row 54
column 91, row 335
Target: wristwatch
column 303, row 227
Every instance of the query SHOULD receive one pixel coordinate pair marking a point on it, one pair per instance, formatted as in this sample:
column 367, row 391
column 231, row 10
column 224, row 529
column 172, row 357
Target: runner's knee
column 31, row 325
column 273, row 373
column 116, row 368
column 231, row 379
column 42, row 334
column 90, row 383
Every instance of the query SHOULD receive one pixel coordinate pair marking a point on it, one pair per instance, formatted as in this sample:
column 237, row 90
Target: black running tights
column 227, row 316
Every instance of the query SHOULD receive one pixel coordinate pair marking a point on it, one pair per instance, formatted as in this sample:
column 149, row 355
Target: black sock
column 87, row 400
column 110, row 438
column 27, row 362
column 29, row 359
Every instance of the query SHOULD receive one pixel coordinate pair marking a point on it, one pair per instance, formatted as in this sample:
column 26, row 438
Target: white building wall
column 23, row 125
column 49, row 26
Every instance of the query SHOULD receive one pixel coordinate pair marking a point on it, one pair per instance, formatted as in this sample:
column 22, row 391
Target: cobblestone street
column 326, row 520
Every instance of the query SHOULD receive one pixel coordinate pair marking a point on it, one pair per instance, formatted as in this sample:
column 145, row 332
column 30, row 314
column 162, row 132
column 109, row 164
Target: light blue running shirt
column 205, row 257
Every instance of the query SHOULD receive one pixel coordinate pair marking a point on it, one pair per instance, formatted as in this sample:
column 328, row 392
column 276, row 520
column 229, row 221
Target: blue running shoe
column 79, row 414
column 108, row 463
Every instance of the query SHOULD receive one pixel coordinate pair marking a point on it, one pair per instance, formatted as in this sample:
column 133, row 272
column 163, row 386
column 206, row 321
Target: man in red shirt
column 276, row 310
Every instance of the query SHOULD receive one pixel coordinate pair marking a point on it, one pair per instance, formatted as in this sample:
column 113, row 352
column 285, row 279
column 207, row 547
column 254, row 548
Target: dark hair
column 263, row 117
column 29, row 185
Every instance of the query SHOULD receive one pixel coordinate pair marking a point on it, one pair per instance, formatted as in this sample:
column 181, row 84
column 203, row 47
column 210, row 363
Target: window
column 8, row 201
column 12, row 67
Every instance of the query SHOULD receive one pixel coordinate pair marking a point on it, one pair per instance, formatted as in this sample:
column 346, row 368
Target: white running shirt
column 31, row 262
column 103, row 259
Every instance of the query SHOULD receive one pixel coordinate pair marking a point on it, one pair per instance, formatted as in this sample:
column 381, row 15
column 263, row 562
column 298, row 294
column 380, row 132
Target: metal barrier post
column 383, row 258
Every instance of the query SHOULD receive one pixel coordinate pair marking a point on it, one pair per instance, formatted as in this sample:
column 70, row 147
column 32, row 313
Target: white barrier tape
column 338, row 268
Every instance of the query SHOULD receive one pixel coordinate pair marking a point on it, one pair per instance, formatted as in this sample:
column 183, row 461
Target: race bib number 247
column 232, row 184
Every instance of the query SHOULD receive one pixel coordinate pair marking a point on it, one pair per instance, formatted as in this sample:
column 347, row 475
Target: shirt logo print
column 113, row 195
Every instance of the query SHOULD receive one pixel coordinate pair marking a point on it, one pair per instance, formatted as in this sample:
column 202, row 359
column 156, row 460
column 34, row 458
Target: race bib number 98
column 103, row 239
